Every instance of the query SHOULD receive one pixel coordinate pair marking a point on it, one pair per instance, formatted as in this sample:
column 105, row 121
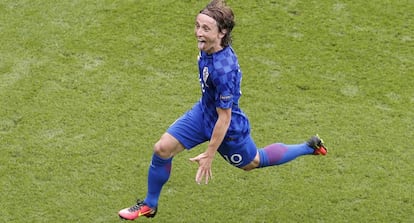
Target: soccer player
column 216, row 117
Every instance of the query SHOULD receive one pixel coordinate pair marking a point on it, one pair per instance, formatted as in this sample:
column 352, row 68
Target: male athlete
column 216, row 118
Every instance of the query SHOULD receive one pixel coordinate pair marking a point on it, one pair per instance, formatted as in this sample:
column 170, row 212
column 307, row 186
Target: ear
column 222, row 33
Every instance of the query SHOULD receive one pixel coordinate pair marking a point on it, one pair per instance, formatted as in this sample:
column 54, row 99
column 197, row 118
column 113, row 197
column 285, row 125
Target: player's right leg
column 158, row 174
column 186, row 132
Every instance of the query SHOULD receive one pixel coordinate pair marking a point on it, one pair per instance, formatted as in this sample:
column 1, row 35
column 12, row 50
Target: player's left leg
column 247, row 157
column 239, row 152
column 279, row 153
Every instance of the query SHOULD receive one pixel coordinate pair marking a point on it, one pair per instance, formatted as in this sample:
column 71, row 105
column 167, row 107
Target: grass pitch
column 87, row 87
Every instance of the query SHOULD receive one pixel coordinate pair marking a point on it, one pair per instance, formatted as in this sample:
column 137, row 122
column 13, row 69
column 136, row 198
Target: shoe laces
column 137, row 206
column 317, row 143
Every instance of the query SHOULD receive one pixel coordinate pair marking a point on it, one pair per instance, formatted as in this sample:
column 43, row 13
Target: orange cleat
column 138, row 210
column 317, row 145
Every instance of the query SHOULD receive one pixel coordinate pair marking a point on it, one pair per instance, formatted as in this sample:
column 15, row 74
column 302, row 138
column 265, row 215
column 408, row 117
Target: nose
column 197, row 31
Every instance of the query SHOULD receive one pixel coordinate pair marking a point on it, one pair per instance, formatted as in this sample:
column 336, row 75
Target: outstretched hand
column 204, row 167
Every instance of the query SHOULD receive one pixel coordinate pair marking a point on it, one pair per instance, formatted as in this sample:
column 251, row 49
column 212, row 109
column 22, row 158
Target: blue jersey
column 220, row 79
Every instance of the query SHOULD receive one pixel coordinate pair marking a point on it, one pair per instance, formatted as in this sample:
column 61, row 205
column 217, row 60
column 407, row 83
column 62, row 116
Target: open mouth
column 201, row 44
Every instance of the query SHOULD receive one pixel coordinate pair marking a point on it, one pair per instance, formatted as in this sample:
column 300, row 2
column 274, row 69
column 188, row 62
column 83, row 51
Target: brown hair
column 219, row 11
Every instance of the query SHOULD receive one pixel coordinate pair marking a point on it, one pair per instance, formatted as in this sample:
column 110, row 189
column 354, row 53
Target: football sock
column 158, row 174
column 278, row 153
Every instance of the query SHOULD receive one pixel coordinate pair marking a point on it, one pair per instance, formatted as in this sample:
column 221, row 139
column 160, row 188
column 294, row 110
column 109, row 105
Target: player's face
column 207, row 33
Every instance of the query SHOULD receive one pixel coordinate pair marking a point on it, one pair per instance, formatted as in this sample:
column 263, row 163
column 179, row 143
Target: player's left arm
column 220, row 130
column 205, row 159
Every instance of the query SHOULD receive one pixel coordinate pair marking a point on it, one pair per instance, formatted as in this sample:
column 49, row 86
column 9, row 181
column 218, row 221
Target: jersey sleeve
column 224, row 80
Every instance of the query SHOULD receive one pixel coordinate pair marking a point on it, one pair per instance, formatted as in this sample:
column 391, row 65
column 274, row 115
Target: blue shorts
column 189, row 130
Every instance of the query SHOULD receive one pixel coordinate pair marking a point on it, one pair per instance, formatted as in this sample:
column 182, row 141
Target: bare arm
column 205, row 159
column 220, row 130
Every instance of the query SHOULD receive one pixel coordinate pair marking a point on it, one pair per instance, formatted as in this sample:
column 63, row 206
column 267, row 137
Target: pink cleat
column 138, row 210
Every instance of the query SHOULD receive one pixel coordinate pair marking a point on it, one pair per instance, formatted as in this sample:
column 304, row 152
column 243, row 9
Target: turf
column 87, row 87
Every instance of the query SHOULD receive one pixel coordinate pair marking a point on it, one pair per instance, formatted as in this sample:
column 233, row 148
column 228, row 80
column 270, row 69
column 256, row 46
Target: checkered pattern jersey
column 220, row 79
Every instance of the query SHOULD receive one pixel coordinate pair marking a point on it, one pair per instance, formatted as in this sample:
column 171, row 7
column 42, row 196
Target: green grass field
column 87, row 87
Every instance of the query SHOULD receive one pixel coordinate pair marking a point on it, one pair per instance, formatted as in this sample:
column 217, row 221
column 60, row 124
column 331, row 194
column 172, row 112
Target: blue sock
column 158, row 174
column 278, row 153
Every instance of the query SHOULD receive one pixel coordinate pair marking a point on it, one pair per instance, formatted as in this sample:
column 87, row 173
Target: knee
column 247, row 169
column 167, row 146
column 161, row 149
column 253, row 165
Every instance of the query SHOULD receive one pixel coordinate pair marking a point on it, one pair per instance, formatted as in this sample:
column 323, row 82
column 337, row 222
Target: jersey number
column 235, row 159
